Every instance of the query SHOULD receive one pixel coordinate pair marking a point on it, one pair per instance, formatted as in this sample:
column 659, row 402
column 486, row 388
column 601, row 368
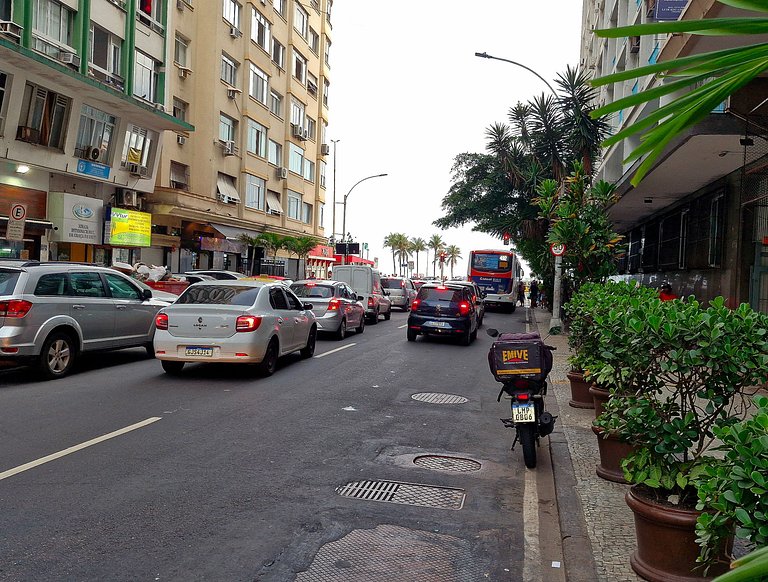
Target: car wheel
column 375, row 318
column 411, row 335
column 466, row 338
column 150, row 347
column 268, row 365
column 309, row 350
column 341, row 333
column 361, row 328
column 473, row 335
column 388, row 314
column 57, row 356
column 172, row 368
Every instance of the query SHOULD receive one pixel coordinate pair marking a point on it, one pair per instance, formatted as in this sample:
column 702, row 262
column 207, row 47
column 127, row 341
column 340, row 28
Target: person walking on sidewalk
column 521, row 294
column 534, row 293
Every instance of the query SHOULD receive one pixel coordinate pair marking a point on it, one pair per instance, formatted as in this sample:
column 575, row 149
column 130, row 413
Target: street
column 221, row 475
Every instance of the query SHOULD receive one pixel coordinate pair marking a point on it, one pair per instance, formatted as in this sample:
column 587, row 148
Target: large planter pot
column 612, row 453
column 666, row 542
column 580, row 396
column 599, row 397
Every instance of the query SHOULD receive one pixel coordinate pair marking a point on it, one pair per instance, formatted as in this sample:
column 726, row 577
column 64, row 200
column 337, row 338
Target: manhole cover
column 404, row 493
column 439, row 398
column 442, row 463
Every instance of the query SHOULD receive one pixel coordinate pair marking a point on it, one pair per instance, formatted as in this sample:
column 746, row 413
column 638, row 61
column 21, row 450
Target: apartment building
column 82, row 99
column 252, row 77
column 699, row 219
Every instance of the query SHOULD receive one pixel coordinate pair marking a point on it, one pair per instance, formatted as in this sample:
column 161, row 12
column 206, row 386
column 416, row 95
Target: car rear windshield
column 433, row 295
column 392, row 283
column 219, row 295
column 8, row 281
column 312, row 290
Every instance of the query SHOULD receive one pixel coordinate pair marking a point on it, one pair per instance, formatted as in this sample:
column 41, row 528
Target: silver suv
column 52, row 312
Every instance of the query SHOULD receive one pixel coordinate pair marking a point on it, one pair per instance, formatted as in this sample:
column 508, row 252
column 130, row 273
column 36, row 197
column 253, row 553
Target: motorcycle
column 522, row 362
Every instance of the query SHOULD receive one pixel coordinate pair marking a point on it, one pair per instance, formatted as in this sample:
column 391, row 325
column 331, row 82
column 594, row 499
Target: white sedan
column 236, row 321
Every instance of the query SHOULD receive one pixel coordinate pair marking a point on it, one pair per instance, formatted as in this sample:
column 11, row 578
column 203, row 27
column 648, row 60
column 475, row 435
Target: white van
column 366, row 281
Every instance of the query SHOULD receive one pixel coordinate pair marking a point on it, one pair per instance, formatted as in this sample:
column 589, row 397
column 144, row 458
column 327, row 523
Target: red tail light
column 464, row 308
column 333, row 305
column 370, row 302
column 247, row 323
column 15, row 308
column 522, row 397
column 402, row 283
column 415, row 304
column 161, row 321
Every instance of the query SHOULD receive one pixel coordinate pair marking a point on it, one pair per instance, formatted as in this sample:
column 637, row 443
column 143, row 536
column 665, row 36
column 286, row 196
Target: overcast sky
column 407, row 95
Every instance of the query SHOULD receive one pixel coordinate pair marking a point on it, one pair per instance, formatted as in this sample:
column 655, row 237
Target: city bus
column 497, row 273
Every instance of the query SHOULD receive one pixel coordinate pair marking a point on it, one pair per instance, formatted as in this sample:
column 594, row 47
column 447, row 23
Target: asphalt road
column 234, row 477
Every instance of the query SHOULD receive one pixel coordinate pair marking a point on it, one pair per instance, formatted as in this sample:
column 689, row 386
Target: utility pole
column 333, row 208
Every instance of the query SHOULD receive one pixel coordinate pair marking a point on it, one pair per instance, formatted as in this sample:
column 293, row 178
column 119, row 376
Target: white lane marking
column 75, row 448
column 402, row 326
column 336, row 350
column 350, row 409
column 532, row 558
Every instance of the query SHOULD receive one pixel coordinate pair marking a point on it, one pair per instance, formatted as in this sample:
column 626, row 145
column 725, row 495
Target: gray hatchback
column 52, row 312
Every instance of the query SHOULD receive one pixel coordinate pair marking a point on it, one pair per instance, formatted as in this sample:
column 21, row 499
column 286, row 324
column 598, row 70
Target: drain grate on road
column 439, row 398
column 443, row 463
column 404, row 493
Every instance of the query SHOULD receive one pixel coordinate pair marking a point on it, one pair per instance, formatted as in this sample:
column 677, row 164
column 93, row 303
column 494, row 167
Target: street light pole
column 487, row 56
column 333, row 208
column 344, row 213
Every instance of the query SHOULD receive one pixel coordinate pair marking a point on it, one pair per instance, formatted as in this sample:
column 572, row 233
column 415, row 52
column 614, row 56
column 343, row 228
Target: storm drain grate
column 404, row 493
column 442, row 463
column 439, row 398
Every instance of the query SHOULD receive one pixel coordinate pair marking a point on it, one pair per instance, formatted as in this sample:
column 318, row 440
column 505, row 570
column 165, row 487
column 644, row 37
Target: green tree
column 403, row 250
column 271, row 242
column 452, row 256
column 301, row 246
column 418, row 245
column 436, row 244
column 390, row 241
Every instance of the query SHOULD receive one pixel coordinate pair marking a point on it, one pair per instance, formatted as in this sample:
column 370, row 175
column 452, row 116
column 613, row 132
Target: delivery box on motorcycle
column 519, row 355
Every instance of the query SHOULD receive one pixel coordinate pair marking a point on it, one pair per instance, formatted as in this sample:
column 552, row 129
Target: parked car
column 336, row 306
column 478, row 299
column 366, row 281
column 52, row 312
column 232, row 321
column 402, row 291
column 445, row 310
column 418, row 283
column 193, row 277
column 219, row 274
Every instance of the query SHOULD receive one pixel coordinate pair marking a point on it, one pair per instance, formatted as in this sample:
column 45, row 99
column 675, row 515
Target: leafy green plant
column 750, row 568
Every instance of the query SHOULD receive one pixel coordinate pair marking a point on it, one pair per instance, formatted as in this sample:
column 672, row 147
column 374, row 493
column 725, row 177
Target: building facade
column 699, row 219
column 82, row 113
column 252, row 77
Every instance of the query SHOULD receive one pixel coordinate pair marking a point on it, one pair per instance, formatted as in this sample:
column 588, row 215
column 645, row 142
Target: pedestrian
column 534, row 293
column 665, row 293
column 312, row 275
column 521, row 294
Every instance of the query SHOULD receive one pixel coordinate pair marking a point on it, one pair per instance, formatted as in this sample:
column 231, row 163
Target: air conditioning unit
column 180, row 4
column 634, row 44
column 282, row 173
column 129, row 198
column 232, row 92
column 229, row 148
column 69, row 58
column 224, row 198
column 180, row 139
column 134, row 169
column 93, row 153
column 305, row 134
column 298, row 131
column 184, row 72
column 325, row 149
column 235, row 32
column 10, row 28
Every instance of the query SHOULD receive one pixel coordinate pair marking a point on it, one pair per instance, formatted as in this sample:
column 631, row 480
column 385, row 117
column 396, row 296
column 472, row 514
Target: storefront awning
column 329, row 259
column 273, row 203
column 233, row 232
column 226, row 187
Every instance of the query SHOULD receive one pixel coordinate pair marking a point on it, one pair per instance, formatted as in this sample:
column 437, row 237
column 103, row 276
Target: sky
column 407, row 95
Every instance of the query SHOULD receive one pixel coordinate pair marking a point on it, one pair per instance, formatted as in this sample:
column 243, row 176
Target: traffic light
column 505, row 238
column 442, row 257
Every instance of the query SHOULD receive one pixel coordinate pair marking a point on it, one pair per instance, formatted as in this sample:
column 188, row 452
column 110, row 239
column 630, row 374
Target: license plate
column 198, row 351
column 523, row 413
column 438, row 324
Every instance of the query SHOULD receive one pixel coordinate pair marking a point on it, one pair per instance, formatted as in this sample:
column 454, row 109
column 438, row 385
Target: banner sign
column 77, row 219
column 93, row 169
column 669, row 9
column 130, row 228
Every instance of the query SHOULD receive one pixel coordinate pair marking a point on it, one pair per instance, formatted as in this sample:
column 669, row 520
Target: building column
column 25, row 9
column 83, row 33
column 129, row 48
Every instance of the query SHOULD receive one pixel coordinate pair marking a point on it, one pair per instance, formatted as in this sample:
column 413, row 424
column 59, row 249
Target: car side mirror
column 146, row 294
column 360, row 298
column 385, row 292
column 307, row 305
column 492, row 332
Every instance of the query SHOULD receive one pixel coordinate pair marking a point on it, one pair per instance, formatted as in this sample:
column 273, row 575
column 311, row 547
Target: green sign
column 130, row 228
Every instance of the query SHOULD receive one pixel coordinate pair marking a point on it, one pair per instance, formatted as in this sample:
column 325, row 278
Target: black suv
column 447, row 310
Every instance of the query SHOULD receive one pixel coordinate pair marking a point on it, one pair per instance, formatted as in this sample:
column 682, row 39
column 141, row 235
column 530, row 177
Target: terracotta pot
column 666, row 542
column 612, row 453
column 599, row 397
column 580, row 397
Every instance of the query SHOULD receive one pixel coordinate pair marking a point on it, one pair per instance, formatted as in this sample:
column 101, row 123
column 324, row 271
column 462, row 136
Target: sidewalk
column 596, row 525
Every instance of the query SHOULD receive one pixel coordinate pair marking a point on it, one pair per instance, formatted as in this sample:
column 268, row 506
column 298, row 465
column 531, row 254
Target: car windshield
column 219, row 295
column 436, row 295
column 8, row 281
column 392, row 283
column 311, row 290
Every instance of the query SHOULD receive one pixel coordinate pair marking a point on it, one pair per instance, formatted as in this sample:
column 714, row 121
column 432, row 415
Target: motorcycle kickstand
column 509, row 423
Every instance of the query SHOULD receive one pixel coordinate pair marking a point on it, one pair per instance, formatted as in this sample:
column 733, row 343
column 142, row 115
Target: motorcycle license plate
column 523, row 413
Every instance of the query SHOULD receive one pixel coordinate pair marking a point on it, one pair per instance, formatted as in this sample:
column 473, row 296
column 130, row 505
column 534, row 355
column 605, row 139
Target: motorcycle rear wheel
column 526, row 434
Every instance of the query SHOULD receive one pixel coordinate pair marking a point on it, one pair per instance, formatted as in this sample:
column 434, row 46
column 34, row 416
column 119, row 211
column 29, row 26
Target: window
column 299, row 66
column 87, row 285
column 232, row 12
column 254, row 192
column 312, row 84
column 139, row 145
column 326, row 89
column 179, row 176
column 180, row 109
column 279, row 6
column 309, row 170
column 327, row 51
column 228, row 70
column 322, row 173
column 53, row 284
column 669, row 242
column 277, row 298
column 278, row 54
column 5, row 10
column 94, row 136
column 300, row 20
column 259, row 85
column 275, row 153
column 4, row 87
column 294, row 205
column 121, row 288
column 260, row 30
column 145, row 77
column 180, row 46
column 257, row 138
column 52, row 25
column 314, row 40
column 273, row 202
column 105, row 56
column 323, row 132
column 306, row 213
column 716, row 216
column 681, row 261
column 149, row 12
column 43, row 119
column 297, row 113
column 311, row 127
column 296, row 159
column 322, row 223
column 227, row 127
column 276, row 103
column 328, row 7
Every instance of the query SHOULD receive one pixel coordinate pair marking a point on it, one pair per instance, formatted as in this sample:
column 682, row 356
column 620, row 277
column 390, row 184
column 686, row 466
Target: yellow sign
column 516, row 356
column 130, row 228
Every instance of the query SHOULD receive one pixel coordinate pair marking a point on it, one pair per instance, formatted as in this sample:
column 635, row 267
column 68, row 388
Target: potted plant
column 701, row 362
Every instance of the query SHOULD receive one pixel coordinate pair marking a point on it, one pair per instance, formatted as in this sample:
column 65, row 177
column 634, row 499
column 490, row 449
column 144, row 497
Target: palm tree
column 417, row 245
column 403, row 249
column 251, row 242
column 301, row 246
column 389, row 242
column 272, row 242
column 436, row 243
column 453, row 254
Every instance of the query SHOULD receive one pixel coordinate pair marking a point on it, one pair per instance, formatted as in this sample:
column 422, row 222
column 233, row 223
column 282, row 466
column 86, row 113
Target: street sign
column 16, row 220
column 557, row 249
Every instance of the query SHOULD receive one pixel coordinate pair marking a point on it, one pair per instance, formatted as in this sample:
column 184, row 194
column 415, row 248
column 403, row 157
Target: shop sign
column 77, row 219
column 130, row 228
column 670, row 9
column 93, row 169
column 16, row 222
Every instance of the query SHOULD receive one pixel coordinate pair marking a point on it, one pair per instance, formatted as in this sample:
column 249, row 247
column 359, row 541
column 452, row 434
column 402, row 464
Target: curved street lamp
column 487, row 56
column 344, row 212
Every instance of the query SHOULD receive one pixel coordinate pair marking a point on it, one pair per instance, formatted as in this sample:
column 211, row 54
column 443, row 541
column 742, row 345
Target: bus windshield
column 491, row 262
